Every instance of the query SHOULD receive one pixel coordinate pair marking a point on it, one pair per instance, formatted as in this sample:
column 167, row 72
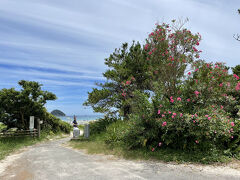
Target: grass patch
column 11, row 144
column 97, row 145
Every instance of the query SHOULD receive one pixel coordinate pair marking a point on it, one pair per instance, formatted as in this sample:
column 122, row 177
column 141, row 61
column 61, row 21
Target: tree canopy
column 16, row 106
column 126, row 65
column 161, row 61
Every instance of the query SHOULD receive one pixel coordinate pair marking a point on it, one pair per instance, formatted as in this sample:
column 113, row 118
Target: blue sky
column 62, row 44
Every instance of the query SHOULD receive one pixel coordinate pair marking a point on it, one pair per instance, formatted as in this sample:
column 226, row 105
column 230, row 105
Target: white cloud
column 75, row 36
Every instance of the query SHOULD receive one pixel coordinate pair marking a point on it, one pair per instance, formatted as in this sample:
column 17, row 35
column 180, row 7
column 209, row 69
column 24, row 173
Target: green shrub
column 142, row 128
column 100, row 125
column 52, row 123
column 2, row 126
column 115, row 132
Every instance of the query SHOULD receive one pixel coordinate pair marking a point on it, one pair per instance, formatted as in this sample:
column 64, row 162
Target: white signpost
column 86, row 131
column 31, row 123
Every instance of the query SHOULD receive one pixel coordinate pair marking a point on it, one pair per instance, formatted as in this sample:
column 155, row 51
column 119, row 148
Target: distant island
column 57, row 112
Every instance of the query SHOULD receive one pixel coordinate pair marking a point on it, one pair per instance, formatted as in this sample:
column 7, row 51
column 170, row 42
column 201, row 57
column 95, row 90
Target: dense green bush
column 2, row 126
column 101, row 124
column 198, row 117
column 115, row 132
column 54, row 124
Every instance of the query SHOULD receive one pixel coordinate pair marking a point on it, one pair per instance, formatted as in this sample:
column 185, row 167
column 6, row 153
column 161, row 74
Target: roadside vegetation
column 9, row 145
column 162, row 101
column 15, row 109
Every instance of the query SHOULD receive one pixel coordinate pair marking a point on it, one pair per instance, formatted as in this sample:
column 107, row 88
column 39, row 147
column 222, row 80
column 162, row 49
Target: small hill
column 57, row 112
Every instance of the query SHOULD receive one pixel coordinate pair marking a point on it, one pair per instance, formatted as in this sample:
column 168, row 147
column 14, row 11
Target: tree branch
column 237, row 37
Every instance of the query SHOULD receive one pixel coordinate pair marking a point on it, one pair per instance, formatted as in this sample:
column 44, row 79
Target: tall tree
column 236, row 70
column 17, row 106
column 159, row 65
column 127, row 72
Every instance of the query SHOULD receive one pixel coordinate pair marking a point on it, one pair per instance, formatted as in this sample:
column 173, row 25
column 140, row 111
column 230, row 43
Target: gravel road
column 54, row 161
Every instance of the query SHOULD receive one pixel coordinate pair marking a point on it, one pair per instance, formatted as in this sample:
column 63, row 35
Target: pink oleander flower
column 221, row 107
column 128, row 82
column 146, row 47
column 221, row 84
column 206, row 115
column 196, row 141
column 181, row 114
column 164, row 123
column 159, row 111
column 161, row 105
column 153, row 149
column 171, row 100
column 159, row 144
column 237, row 86
column 189, row 73
column 179, row 99
column 169, row 112
column 196, row 93
column 209, row 118
column 150, row 53
column 197, row 69
column 232, row 137
column 174, row 114
column 188, row 100
column 163, row 115
column 195, row 49
column 194, row 121
column 232, row 124
column 236, row 76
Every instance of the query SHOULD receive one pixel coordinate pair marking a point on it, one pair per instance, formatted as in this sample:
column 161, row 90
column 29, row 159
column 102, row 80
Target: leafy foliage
column 236, row 70
column 180, row 102
column 17, row 106
column 101, row 124
column 125, row 67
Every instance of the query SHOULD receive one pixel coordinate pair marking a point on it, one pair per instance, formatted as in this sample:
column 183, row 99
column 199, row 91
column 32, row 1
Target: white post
column 86, row 131
column 31, row 123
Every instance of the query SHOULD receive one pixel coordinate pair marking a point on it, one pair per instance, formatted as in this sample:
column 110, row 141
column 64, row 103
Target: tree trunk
column 22, row 119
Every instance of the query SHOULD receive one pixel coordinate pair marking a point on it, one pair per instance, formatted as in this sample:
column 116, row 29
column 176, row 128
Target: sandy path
column 52, row 160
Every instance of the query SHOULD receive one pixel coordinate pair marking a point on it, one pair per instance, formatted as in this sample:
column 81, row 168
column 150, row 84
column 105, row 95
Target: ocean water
column 81, row 119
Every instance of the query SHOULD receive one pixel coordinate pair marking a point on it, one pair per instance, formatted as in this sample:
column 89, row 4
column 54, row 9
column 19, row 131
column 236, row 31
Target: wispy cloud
column 63, row 43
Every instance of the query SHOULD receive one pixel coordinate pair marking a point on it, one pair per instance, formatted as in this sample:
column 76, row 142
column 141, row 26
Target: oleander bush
column 185, row 103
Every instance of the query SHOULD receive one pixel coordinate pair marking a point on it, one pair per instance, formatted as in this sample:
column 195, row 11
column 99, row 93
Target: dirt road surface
column 54, row 161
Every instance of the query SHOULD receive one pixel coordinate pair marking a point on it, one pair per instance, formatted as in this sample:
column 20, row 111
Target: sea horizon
column 81, row 119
